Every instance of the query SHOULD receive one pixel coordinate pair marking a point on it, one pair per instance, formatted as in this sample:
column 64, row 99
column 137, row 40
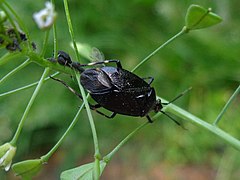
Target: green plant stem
column 21, row 123
column 94, row 133
column 226, row 106
column 70, row 28
column 183, row 31
column 46, row 157
column 55, row 42
column 24, row 64
column 45, row 43
column 204, row 125
column 97, row 156
column 34, row 57
column 27, row 86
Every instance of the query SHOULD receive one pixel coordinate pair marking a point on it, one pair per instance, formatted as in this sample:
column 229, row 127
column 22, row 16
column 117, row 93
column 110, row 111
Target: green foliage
column 198, row 18
column 27, row 169
column 81, row 172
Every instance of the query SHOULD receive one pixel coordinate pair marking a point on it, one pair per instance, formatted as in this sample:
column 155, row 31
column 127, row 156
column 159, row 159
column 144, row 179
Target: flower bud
column 7, row 152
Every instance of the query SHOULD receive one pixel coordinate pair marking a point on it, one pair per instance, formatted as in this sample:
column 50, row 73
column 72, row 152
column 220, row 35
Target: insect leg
column 107, row 116
column 180, row 95
column 178, row 123
column 103, row 62
column 67, row 86
column 149, row 119
column 96, row 106
column 171, row 118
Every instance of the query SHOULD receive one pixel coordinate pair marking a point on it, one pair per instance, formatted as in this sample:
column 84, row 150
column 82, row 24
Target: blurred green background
column 207, row 60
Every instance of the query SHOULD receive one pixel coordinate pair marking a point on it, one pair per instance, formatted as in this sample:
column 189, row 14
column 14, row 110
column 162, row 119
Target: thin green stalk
column 46, row 157
column 97, row 155
column 70, row 28
column 21, row 66
column 27, row 86
column 96, row 169
column 94, row 133
column 34, row 57
column 45, row 42
column 226, row 106
column 183, row 31
column 21, row 123
column 55, row 42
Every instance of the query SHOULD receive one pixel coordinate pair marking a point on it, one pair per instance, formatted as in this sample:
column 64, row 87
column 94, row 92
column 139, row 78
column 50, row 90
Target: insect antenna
column 174, row 120
column 174, row 99
column 180, row 95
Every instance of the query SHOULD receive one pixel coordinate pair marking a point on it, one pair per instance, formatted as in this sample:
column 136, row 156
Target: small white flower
column 46, row 17
column 7, row 152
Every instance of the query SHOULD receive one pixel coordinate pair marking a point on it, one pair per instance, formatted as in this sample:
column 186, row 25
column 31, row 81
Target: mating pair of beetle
column 116, row 89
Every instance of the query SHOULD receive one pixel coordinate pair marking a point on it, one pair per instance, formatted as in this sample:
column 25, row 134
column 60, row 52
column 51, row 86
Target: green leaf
column 84, row 172
column 28, row 168
column 198, row 17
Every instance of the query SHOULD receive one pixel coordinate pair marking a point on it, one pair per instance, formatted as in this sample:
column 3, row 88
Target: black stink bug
column 117, row 89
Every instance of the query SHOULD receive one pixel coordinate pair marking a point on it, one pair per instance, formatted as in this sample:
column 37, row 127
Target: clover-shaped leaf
column 82, row 172
column 198, row 17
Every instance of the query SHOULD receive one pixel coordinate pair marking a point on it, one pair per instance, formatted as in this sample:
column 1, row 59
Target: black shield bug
column 116, row 89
